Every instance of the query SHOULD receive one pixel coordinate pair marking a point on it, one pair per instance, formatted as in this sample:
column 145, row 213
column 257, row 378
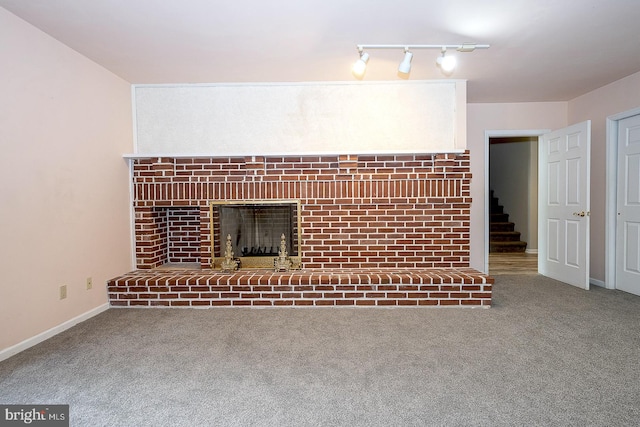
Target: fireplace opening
column 256, row 228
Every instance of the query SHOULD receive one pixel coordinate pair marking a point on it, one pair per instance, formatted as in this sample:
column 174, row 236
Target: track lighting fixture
column 361, row 64
column 446, row 62
column 405, row 65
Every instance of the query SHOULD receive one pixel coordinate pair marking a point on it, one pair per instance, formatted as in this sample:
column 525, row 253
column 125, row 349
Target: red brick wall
column 357, row 211
column 183, row 235
column 151, row 236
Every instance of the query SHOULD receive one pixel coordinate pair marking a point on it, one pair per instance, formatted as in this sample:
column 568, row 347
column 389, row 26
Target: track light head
column 446, row 63
column 405, row 65
column 360, row 65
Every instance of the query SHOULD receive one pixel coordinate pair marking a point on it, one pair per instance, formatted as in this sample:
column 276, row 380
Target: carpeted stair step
column 504, row 236
column 496, row 209
column 501, row 226
column 507, row 246
column 499, row 217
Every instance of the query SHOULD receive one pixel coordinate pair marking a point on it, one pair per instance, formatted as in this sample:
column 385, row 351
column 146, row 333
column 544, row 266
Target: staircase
column 502, row 234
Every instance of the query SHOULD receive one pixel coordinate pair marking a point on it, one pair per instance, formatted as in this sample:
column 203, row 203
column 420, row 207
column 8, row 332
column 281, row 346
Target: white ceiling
column 541, row 50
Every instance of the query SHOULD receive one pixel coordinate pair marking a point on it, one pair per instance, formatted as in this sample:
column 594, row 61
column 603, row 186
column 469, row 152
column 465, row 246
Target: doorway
column 511, row 171
column 563, row 205
column 513, row 226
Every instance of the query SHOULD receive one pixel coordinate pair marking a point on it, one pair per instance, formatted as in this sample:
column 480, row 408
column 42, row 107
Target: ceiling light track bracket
column 464, row 47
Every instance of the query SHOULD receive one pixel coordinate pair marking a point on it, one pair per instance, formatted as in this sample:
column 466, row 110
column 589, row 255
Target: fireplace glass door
column 256, row 229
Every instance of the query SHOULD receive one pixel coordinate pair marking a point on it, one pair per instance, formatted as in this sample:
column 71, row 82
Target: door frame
column 611, row 202
column 498, row 134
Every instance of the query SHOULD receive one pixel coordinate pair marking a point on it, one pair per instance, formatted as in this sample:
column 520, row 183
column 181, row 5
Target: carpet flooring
column 545, row 354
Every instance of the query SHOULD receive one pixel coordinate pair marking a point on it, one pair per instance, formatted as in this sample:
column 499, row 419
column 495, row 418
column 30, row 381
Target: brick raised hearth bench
column 261, row 288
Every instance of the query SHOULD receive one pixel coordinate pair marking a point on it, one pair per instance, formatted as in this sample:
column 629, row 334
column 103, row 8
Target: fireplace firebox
column 256, row 228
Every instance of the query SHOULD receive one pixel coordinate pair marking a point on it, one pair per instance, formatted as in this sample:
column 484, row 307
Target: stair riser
column 507, row 249
column 505, row 237
column 499, row 217
column 501, row 226
column 496, row 209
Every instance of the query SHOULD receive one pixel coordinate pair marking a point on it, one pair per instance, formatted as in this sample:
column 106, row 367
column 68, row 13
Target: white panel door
column 563, row 242
column 628, row 206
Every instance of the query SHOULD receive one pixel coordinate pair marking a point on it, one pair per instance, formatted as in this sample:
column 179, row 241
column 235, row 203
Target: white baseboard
column 596, row 282
column 15, row 349
column 531, row 251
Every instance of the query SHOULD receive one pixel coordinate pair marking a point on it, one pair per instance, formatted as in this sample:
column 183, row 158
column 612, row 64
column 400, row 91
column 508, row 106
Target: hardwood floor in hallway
column 512, row 263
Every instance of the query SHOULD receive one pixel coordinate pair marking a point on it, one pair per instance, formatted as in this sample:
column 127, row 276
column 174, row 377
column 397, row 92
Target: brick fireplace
column 406, row 213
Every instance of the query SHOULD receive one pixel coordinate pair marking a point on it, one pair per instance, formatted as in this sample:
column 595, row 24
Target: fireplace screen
column 256, row 228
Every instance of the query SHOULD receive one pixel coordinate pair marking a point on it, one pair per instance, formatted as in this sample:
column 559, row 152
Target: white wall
column 617, row 97
column 301, row 118
column 64, row 201
column 500, row 117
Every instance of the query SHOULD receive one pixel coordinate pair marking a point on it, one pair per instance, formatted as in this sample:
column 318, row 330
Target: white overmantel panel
column 300, row 118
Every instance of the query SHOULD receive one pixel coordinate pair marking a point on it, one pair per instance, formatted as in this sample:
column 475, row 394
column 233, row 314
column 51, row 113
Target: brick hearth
column 382, row 287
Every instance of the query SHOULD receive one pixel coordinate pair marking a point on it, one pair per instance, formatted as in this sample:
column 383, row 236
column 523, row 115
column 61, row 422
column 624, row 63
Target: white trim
column 315, row 83
column 611, row 176
column 132, row 213
column 15, row 349
column 542, row 239
column 611, row 185
column 531, row 251
column 281, row 154
column 132, row 218
column 498, row 134
column 596, row 282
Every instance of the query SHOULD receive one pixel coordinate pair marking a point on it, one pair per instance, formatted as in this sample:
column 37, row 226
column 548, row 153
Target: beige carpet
column 545, row 354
